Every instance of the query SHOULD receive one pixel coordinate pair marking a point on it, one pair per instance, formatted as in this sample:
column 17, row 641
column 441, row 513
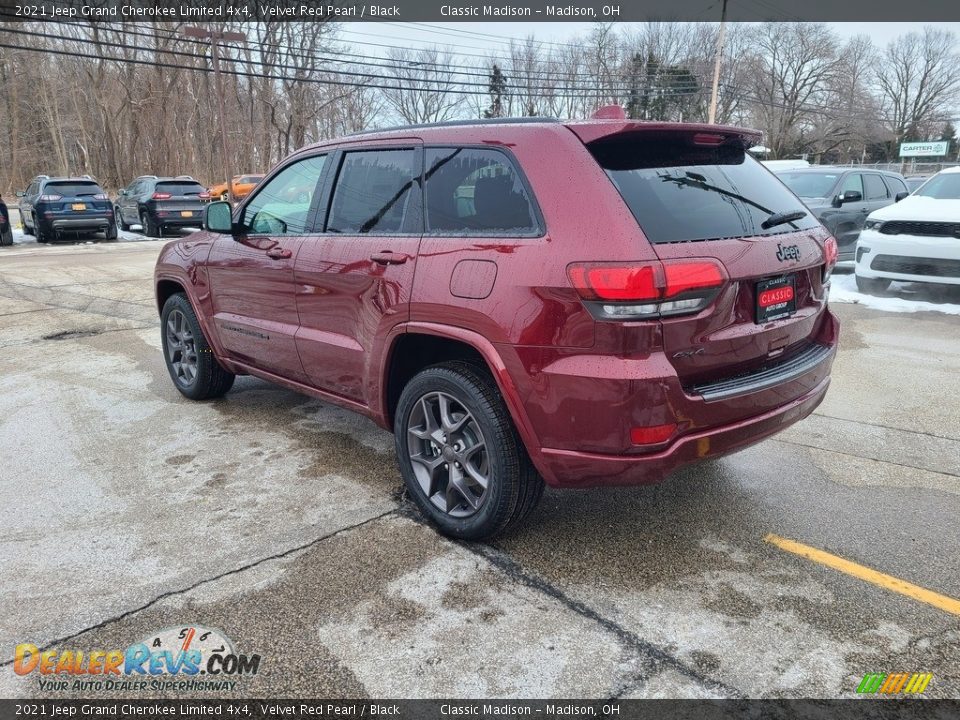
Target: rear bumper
column 76, row 224
column 577, row 469
column 581, row 409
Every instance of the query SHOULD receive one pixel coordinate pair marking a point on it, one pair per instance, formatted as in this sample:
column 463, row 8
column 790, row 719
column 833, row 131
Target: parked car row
column 52, row 208
column 893, row 228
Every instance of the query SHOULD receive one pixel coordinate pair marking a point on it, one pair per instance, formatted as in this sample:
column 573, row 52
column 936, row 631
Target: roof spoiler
column 613, row 121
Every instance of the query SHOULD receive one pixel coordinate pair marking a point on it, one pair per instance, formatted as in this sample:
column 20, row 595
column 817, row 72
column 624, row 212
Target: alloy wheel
column 181, row 348
column 449, row 454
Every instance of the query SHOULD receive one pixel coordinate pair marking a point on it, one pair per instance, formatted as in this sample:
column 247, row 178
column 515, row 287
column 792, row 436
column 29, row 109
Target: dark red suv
column 520, row 301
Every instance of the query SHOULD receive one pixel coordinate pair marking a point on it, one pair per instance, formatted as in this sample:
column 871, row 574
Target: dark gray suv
column 841, row 198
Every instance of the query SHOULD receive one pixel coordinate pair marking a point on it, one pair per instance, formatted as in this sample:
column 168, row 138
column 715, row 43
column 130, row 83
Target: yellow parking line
column 889, row 582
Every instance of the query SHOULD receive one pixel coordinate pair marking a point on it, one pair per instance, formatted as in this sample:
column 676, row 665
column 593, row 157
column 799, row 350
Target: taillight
column 161, row 196
column 204, row 196
column 49, row 198
column 830, row 253
column 645, row 290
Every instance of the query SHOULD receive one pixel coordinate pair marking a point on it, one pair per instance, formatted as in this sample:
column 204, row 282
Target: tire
column 118, row 216
column 42, row 237
column 187, row 354
column 225, row 196
column 148, row 227
column 110, row 233
column 476, row 417
column 872, row 286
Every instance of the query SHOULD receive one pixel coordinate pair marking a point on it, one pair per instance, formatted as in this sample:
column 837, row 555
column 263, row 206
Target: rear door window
column 875, row 188
column 680, row 192
column 471, row 191
column 376, row 193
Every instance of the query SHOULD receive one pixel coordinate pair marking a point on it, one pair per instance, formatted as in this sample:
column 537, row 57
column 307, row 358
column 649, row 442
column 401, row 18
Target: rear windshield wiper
column 782, row 218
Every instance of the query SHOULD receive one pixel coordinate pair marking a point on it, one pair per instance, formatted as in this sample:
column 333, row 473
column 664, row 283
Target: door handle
column 279, row 253
column 385, row 257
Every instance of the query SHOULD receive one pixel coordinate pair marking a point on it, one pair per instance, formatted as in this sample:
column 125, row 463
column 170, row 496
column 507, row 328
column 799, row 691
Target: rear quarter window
column 680, row 192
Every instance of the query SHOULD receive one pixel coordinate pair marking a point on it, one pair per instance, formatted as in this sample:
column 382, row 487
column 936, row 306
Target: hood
column 919, row 208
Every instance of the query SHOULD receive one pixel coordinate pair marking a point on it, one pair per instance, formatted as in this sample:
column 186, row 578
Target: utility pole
column 215, row 39
column 712, row 118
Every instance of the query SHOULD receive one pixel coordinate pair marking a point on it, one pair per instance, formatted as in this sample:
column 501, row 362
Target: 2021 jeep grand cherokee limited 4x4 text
column 581, row 303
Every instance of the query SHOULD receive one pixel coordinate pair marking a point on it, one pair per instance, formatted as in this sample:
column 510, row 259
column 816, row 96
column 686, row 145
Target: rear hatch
column 74, row 197
column 182, row 199
column 699, row 197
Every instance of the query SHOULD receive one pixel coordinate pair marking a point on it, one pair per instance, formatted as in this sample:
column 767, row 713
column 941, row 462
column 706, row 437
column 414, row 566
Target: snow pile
column 899, row 298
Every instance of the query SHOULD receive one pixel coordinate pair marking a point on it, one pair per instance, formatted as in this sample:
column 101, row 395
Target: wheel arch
column 419, row 345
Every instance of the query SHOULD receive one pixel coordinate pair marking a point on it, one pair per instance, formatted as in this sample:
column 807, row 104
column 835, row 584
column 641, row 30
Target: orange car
column 241, row 185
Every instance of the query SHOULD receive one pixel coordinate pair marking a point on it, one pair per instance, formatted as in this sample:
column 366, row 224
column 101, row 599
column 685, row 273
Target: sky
column 483, row 37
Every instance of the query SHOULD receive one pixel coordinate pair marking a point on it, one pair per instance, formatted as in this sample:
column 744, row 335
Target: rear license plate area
column 776, row 298
column 78, row 206
column 186, row 213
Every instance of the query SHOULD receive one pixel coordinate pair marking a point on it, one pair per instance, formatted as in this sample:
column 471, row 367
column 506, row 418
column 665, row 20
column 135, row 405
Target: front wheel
column 872, row 286
column 459, row 453
column 190, row 361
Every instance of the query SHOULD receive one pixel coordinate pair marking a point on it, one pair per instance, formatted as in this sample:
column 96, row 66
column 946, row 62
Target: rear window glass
column 678, row 192
column 72, row 189
column 475, row 192
column 181, row 188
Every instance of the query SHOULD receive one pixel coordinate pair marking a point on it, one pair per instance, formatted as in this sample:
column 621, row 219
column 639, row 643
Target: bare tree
column 917, row 80
column 420, row 88
column 791, row 70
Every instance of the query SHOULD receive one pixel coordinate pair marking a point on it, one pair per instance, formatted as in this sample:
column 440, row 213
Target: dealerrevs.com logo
column 178, row 659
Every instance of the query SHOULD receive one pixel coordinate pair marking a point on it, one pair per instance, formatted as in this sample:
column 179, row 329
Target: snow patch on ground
column 900, row 298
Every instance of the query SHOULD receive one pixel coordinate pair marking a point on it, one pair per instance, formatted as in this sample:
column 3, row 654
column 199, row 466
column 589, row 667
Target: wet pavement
column 280, row 520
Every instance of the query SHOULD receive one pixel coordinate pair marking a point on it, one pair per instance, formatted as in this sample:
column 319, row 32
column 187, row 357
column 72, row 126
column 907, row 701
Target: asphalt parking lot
column 280, row 520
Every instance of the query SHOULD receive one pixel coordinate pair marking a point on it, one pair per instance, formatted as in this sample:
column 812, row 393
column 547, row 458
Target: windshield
column 809, row 184
column 945, row 186
column 678, row 192
column 73, row 189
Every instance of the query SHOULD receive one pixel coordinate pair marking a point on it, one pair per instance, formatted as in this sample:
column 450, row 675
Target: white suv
column 914, row 240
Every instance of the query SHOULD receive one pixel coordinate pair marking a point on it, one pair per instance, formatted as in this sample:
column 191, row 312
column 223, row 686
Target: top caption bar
column 439, row 11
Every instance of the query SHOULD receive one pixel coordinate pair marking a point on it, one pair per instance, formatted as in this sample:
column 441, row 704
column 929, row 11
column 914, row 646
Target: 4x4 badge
column 788, row 252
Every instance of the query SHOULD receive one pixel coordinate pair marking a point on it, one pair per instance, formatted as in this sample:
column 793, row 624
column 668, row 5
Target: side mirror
column 21, row 193
column 901, row 195
column 850, row 196
column 218, row 218
column 122, row 192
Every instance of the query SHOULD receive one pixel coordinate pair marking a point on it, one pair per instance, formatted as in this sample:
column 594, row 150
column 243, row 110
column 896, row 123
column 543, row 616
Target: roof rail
column 461, row 123
column 45, row 177
column 87, row 177
column 184, row 177
column 140, row 177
